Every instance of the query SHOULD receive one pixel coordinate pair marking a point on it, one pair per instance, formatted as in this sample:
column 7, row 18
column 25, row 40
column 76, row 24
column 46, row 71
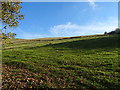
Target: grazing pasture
column 80, row 62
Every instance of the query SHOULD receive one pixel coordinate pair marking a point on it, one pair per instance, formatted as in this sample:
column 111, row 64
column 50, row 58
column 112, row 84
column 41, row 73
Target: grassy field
column 84, row 63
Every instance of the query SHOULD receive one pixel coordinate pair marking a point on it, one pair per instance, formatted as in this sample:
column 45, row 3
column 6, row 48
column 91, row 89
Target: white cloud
column 92, row 3
column 25, row 35
column 70, row 29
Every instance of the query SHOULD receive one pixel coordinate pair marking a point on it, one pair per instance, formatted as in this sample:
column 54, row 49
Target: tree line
column 115, row 32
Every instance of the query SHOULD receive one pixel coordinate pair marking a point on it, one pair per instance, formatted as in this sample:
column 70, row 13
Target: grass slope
column 80, row 63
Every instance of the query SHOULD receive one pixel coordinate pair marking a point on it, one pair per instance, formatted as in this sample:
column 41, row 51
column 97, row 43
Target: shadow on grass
column 88, row 44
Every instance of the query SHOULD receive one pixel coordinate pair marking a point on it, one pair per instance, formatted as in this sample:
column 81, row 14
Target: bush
column 105, row 33
column 116, row 31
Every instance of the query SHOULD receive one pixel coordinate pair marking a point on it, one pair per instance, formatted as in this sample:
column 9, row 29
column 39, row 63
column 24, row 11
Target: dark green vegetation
column 115, row 32
column 82, row 63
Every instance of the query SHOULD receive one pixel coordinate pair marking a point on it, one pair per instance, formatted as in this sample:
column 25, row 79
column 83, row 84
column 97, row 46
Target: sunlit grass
column 87, row 63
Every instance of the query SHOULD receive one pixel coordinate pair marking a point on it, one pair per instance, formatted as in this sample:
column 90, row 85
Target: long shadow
column 96, row 43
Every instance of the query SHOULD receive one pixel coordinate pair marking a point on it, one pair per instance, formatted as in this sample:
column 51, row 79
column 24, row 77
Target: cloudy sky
column 61, row 19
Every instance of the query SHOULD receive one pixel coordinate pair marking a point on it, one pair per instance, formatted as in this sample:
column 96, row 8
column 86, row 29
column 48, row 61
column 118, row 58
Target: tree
column 9, row 35
column 117, row 30
column 105, row 33
column 11, row 14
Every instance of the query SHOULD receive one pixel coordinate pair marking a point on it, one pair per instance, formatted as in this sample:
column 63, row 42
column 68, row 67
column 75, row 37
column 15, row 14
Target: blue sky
column 63, row 19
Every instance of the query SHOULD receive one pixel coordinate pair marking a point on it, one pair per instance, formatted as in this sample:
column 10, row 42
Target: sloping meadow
column 79, row 63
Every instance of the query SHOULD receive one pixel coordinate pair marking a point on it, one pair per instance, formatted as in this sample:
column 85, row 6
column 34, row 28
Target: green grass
column 86, row 63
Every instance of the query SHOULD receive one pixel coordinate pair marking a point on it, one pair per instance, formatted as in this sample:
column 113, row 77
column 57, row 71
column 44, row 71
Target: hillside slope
column 80, row 63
